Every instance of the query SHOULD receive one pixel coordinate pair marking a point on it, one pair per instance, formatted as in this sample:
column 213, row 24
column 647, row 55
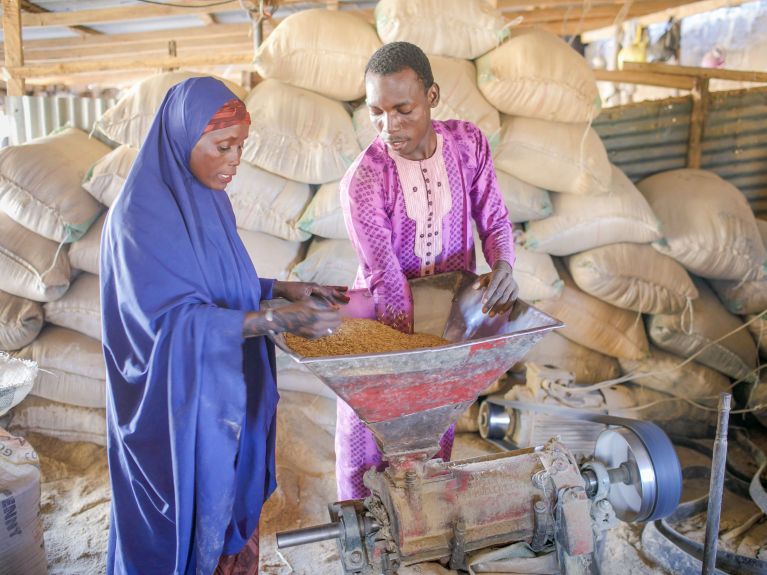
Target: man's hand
column 297, row 291
column 500, row 289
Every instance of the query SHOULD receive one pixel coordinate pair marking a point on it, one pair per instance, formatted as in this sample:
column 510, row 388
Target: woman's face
column 216, row 155
column 400, row 109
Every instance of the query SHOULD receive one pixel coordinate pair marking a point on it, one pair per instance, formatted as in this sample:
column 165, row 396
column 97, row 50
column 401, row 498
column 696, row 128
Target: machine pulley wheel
column 493, row 421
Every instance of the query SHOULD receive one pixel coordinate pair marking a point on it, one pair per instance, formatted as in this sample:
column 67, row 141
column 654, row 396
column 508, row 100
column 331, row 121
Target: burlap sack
column 20, row 321
column 329, row 262
column 588, row 366
column 79, row 309
column 84, row 253
column 106, row 177
column 60, row 420
column 323, row 216
column 272, row 257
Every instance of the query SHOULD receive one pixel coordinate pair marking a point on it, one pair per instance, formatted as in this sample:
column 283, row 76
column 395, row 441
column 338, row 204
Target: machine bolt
column 410, row 479
column 540, row 507
column 603, row 504
column 355, row 556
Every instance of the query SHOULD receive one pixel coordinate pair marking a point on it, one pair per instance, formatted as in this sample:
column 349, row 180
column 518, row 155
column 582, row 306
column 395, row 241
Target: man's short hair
column 397, row 56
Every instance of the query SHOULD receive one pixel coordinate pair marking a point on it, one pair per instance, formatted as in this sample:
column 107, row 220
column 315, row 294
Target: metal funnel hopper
column 408, row 399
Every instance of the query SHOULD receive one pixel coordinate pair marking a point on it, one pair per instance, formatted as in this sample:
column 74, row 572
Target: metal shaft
column 308, row 535
column 716, row 486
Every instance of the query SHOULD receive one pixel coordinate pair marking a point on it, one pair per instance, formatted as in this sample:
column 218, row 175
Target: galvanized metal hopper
column 408, row 399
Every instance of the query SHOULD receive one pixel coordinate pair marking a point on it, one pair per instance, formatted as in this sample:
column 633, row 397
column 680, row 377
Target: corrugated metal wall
column 36, row 116
column 651, row 137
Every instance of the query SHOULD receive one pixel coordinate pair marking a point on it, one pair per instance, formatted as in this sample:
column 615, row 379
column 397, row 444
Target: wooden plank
column 81, row 31
column 646, row 78
column 14, row 55
column 708, row 73
column 699, row 96
column 209, row 59
column 588, row 10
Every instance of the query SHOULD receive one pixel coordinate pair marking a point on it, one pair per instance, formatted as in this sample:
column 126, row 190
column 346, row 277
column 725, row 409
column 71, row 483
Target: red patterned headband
column 230, row 114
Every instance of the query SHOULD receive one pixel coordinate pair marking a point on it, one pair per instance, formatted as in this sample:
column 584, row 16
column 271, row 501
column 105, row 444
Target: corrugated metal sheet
column 36, row 116
column 650, row 137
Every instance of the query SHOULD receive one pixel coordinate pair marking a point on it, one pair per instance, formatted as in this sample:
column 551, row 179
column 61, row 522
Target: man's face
column 400, row 109
column 216, row 155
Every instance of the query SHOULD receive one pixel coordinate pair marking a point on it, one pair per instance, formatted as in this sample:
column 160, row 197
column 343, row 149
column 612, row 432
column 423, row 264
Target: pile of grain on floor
column 361, row 337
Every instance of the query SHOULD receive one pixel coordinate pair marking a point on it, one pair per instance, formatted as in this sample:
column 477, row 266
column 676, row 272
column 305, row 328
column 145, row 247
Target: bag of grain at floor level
column 691, row 381
column 20, row 321
column 41, row 184
column 596, row 324
column 323, row 216
column 272, row 257
column 538, row 75
column 106, row 177
column 21, row 535
column 60, row 420
column 268, row 203
column 758, row 328
column 685, row 334
column 588, row 366
column 324, row 51
column 744, row 297
column 633, row 277
column 31, row 266
column 328, row 262
column 673, row 414
column 581, row 223
column 707, row 224
column 556, row 156
column 17, row 377
column 455, row 28
column 84, row 253
column 71, row 367
column 298, row 134
column 524, row 201
column 129, row 120
column 79, row 308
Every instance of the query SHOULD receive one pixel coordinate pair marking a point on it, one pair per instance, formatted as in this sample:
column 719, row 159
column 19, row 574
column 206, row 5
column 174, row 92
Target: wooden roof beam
column 693, row 72
column 81, row 31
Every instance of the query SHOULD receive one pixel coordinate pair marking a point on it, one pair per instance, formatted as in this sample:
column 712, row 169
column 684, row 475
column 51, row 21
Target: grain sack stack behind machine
column 424, row 509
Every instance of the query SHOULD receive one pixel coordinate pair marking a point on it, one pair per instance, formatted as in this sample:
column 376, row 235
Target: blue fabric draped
column 190, row 403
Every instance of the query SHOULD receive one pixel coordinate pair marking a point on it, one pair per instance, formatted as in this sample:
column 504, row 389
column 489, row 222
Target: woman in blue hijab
column 191, row 393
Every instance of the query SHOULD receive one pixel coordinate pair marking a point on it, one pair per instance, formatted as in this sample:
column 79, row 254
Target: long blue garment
column 190, row 403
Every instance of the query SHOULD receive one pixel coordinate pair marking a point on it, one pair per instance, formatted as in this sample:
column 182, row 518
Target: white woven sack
column 129, row 120
column 79, row 309
column 105, row 179
column 323, row 216
column 31, row 266
column 556, row 156
column 298, row 134
column 268, row 203
column 272, row 257
column 40, row 184
column 459, row 99
column 744, row 297
column 675, row 416
column 17, row 377
column 596, row 324
column 524, row 201
column 325, row 51
column 685, row 334
column 757, row 400
column 588, row 366
column 633, row 277
column 328, row 262
column 660, row 371
column 581, row 223
column 707, row 223
column 71, row 367
column 538, row 75
column 84, row 254
column 455, row 28
column 21, row 532
column 60, row 420
column 20, row 321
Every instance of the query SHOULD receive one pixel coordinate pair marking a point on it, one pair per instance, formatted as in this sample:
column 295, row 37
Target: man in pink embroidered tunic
column 408, row 201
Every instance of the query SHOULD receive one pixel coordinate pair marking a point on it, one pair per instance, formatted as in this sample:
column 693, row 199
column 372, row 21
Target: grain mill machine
column 423, row 509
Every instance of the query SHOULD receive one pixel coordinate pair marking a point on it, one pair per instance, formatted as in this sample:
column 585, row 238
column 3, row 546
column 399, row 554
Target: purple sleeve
column 370, row 231
column 266, row 288
column 487, row 207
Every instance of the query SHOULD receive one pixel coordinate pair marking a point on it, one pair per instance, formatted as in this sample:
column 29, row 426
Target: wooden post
column 699, row 97
column 14, row 55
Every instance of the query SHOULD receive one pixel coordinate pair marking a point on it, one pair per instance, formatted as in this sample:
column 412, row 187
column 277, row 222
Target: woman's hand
column 310, row 317
column 500, row 289
column 296, row 291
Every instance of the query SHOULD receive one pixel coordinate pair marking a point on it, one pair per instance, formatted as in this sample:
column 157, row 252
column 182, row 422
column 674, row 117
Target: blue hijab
column 190, row 403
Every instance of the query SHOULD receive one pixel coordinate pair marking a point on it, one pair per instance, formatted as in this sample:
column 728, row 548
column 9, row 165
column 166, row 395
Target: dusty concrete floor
column 75, row 501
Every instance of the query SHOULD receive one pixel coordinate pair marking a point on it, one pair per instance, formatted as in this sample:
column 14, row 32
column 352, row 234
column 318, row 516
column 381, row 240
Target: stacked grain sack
column 43, row 209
